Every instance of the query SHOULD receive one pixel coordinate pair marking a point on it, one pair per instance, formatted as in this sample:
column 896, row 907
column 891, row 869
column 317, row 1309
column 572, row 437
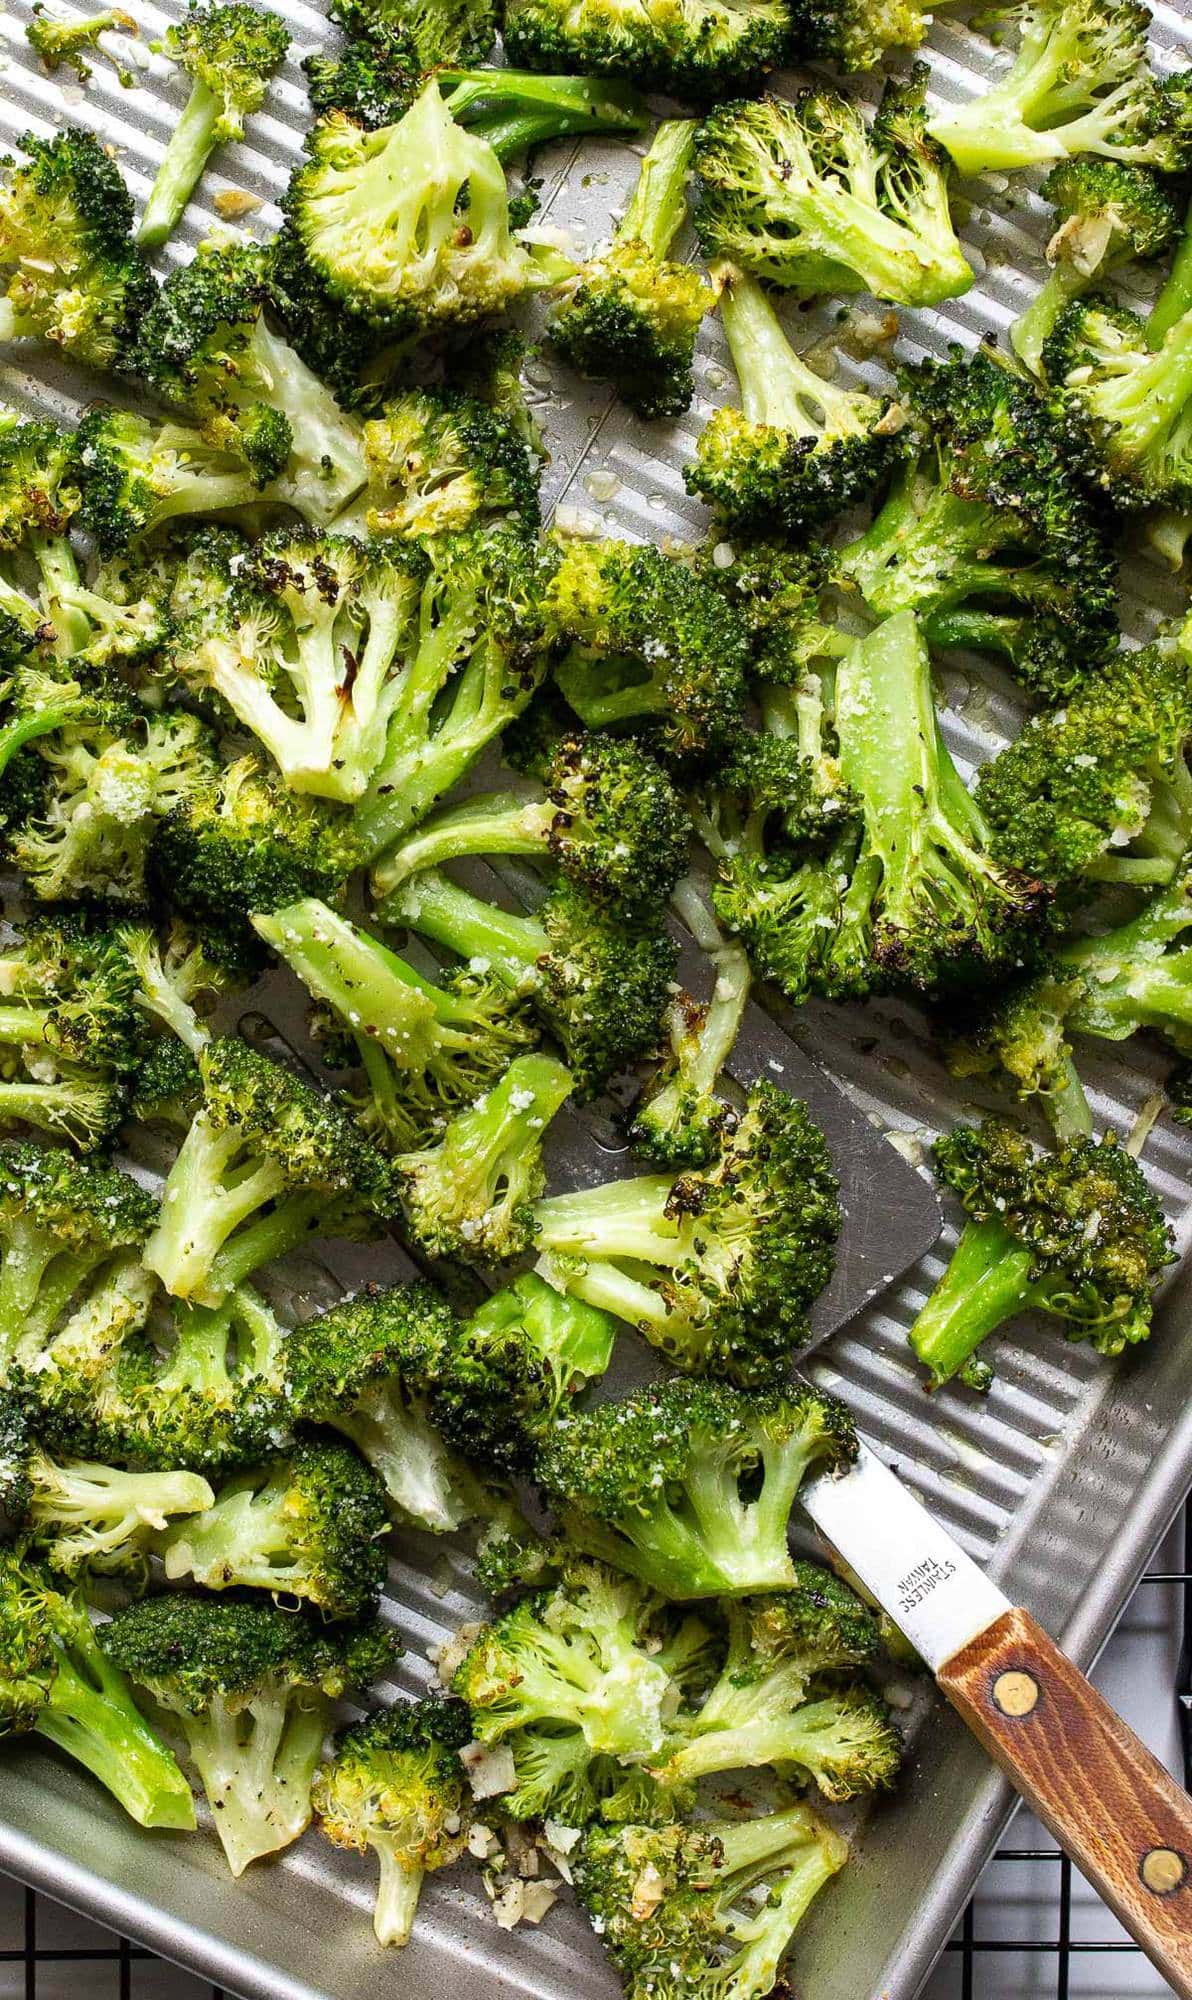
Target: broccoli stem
column 473, row 929
column 986, row 1283
column 620, row 1219
column 78, row 1107
column 398, row 1890
column 784, row 1737
column 529, row 110
column 34, row 1296
column 497, row 823
column 1175, row 296
column 210, row 1193
column 700, row 1055
column 777, row 387
column 61, row 586
column 1062, row 284
column 190, row 146
column 91, row 1715
column 257, row 1761
column 287, row 1225
column 924, row 546
column 656, row 208
column 367, row 985
column 1148, row 405
column 809, row 1852
column 246, row 1538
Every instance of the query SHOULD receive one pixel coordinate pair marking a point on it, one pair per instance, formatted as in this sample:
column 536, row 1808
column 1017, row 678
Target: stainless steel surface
column 1059, row 1483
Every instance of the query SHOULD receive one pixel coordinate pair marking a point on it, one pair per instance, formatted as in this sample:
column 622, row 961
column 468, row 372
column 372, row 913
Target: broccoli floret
column 803, row 193
column 229, row 53
column 250, row 1687
column 690, row 1485
column 680, row 1117
column 367, row 1368
column 1129, row 400
column 719, row 1267
column 167, row 1088
column 514, row 1365
column 608, row 816
column 1107, row 215
column 68, row 1030
column 598, row 982
column 395, row 1785
column 631, row 315
column 686, row 1910
column 440, row 460
column 479, row 651
column 439, row 31
column 855, row 34
column 1100, row 787
column 1081, row 82
column 653, row 645
column 213, row 1399
column 769, row 1706
column 699, row 49
column 1075, row 1234
column 373, row 79
column 778, row 589
column 78, row 1514
column 471, row 1194
column 249, row 844
column 267, row 1163
column 72, row 275
column 174, row 979
column 56, row 1681
column 136, row 475
column 987, row 533
column 38, row 481
column 207, row 346
column 309, row 1524
column 408, row 226
column 69, row 42
column 800, row 450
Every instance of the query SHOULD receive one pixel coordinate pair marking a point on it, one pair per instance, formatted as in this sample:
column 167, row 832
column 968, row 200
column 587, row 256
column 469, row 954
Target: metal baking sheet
column 1060, row 1481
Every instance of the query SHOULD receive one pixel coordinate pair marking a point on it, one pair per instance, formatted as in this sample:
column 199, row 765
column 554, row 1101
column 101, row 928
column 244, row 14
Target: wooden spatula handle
column 1123, row 1820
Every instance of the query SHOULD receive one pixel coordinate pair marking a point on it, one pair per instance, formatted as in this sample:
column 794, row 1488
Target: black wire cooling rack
column 130, row 1962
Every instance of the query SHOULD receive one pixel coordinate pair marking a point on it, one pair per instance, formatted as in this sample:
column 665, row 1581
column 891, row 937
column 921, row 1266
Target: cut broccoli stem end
column 257, row 1761
column 398, row 1890
column 91, row 1715
column 655, row 210
column 986, row 1283
column 190, row 146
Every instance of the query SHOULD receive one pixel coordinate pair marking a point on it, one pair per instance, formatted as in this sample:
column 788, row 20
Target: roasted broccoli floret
column 690, row 1485
column 367, row 1368
column 854, row 35
column 268, row 1162
column 1081, row 82
column 1129, row 398
column 719, row 1267
column 801, row 449
column 136, row 475
column 395, row 1786
column 310, row 1524
column 514, row 1365
column 709, row 1907
column 250, row 1688
column 680, row 1117
column 212, row 1398
column 229, row 53
column 68, row 1030
column 439, row 31
column 608, row 816
column 69, row 42
column 425, row 1051
column 803, row 193
column 372, row 79
column 1100, row 787
column 769, row 1705
column 408, row 226
column 700, row 49
column 167, row 1088
column 207, row 346
column 1075, row 1234
column 631, row 315
column 55, row 1680
column 598, row 982
column 653, row 645
column 987, row 533
column 440, row 460
column 1107, row 215
column 71, row 274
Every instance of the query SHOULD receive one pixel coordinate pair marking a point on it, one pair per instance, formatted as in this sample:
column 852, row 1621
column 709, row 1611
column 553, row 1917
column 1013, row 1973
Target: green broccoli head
column 1127, row 397
column 374, row 77
column 440, row 460
column 136, row 475
column 701, row 50
column 632, row 320
column 232, row 51
column 39, row 492
column 854, row 35
column 440, row 31
column 1107, row 213
column 68, row 42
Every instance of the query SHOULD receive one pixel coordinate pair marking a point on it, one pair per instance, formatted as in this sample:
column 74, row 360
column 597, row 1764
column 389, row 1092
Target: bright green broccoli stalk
column 653, row 646
column 680, row 1117
column 68, row 43
column 690, row 1485
column 395, row 1786
column 803, row 193
column 1081, row 82
column 513, row 1366
column 597, row 981
column 440, row 460
column 801, row 449
column 229, row 53
column 71, row 275
column 709, row 1907
column 703, row 49
column 1129, row 400
column 68, row 1030
column 425, row 1051
column 268, row 1162
column 250, row 1688
column 608, row 816
column 769, row 1706
column 517, row 110
column 207, row 346
column 631, row 316
column 56, row 1681
column 310, row 1524
column 1107, row 215
column 720, row 1267
column 176, row 982
column 1075, row 1234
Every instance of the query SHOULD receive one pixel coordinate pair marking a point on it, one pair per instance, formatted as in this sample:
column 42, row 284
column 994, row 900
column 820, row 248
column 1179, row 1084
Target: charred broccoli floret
column 1075, row 1234
column 803, row 193
column 68, row 1030
column 680, row 1117
column 213, row 1397
column 69, row 42
column 250, row 1687
column 438, row 31
column 440, row 460
column 56, row 1680
column 136, row 475
column 690, row 1485
column 1129, row 397
column 699, row 49
column 1106, row 215
column 631, row 315
column 395, row 1786
column 854, row 35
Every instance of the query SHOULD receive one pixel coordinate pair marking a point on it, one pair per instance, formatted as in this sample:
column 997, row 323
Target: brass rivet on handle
column 1016, row 1693
column 1162, row 1870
